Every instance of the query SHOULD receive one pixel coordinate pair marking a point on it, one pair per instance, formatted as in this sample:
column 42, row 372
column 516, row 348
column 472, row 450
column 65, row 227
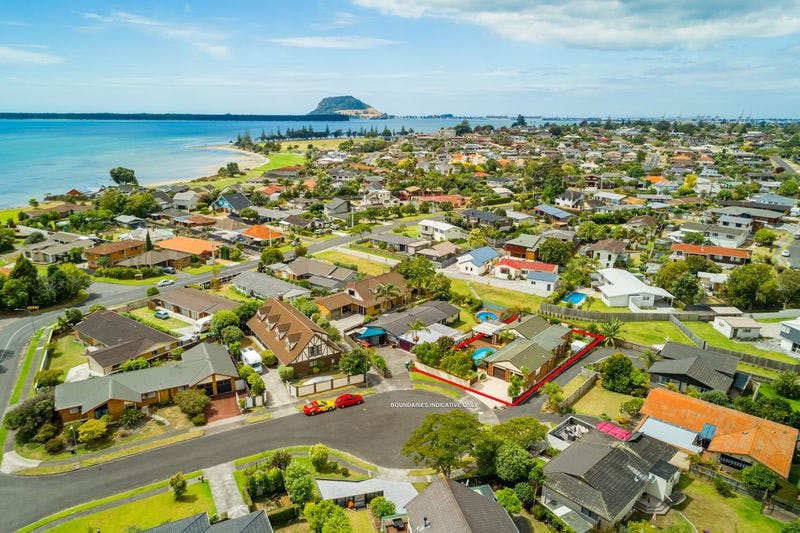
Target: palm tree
column 648, row 358
column 611, row 329
column 415, row 327
column 386, row 292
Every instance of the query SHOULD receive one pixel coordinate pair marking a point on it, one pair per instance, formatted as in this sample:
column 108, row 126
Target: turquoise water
column 485, row 316
column 574, row 298
column 479, row 354
column 38, row 157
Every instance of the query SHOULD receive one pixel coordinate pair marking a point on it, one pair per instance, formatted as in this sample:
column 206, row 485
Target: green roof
column 521, row 353
column 526, row 240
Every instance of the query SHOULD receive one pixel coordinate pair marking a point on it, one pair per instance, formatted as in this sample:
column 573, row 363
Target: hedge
column 283, row 516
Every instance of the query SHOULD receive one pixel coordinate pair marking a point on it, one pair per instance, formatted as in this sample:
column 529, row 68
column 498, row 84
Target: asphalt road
column 374, row 431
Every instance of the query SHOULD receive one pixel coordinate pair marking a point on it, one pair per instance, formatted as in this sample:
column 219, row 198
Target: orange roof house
column 272, row 189
column 189, row 245
column 726, row 432
column 655, row 179
column 714, row 253
column 262, row 233
column 310, row 184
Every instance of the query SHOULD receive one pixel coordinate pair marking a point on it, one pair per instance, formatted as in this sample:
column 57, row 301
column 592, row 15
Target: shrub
column 29, row 416
column 279, row 459
column 131, row 418
column 525, row 494
column 758, row 477
column 381, row 507
column 513, row 463
column 199, row 419
column 318, row 454
column 632, row 407
column 192, row 401
column 245, row 371
column 55, row 445
column 299, row 483
column 722, row 488
column 48, row 378
column 508, row 500
column 45, row 433
column 269, row 358
column 178, row 485
column 152, row 291
column 92, row 430
column 285, row 372
column 284, row 515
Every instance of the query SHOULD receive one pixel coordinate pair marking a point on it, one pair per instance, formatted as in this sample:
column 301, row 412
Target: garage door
column 499, row 372
column 224, row 386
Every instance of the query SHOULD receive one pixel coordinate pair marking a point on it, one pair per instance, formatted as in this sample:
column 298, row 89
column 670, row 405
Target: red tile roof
column 527, row 264
column 262, row 232
column 698, row 249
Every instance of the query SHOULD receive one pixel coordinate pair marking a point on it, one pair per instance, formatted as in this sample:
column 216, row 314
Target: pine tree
column 148, row 243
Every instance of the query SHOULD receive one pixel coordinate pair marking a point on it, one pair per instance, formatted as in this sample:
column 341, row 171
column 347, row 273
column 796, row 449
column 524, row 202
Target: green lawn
column 171, row 323
column 646, row 333
column 69, row 353
column 5, row 214
column 598, row 305
column 707, row 510
column 599, row 401
column 427, row 383
column 466, row 320
column 320, row 144
column 496, row 295
column 275, row 161
column 772, row 320
column 573, row 384
column 714, row 338
column 145, row 513
column 377, row 251
column 365, row 266
column 26, row 368
column 142, row 282
column 202, row 269
column 757, row 371
column 767, row 390
column 227, row 291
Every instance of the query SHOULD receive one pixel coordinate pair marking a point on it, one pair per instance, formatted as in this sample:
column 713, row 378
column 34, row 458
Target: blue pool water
column 485, row 316
column 480, row 353
column 574, row 298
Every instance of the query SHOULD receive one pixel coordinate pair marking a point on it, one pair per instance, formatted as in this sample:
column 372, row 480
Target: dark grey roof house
column 255, row 522
column 686, row 365
column 431, row 312
column 258, row 285
column 447, row 506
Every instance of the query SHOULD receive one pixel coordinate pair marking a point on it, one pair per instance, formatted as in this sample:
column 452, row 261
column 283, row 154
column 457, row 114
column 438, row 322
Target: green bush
column 45, row 433
column 128, row 273
column 48, row 378
column 92, row 430
column 269, row 358
column 283, row 516
column 199, row 419
column 285, row 372
column 722, row 488
column 55, row 445
column 758, row 477
column 318, row 454
column 131, row 418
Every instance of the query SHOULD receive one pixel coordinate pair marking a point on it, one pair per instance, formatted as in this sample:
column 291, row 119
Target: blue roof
column 708, row 431
column 482, row 255
column 553, row 211
column 542, row 276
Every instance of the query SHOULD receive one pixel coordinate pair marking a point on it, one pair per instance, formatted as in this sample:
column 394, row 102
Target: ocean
column 39, row 157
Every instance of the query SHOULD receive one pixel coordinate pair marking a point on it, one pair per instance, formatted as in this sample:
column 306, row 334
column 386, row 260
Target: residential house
column 718, row 254
column 598, row 480
column 441, row 254
column 553, row 213
column 275, row 215
column 726, row 237
column 395, row 242
column 156, row 234
column 447, row 506
column 524, row 246
column 393, row 328
column 610, row 198
column 338, row 208
column 478, row 218
column 206, row 366
column 456, row 200
column 608, row 252
column 114, row 339
column 255, row 522
column 233, row 202
column 319, row 274
column 530, row 358
column 477, row 262
column 294, row 338
column 783, row 202
column 191, row 303
column 684, row 365
column 259, row 233
column 729, row 437
column 736, row 222
column 375, row 195
column 620, row 288
column 519, row 218
column 130, row 222
column 362, row 297
column 186, row 200
column 62, row 210
column 264, row 286
column 737, row 327
column 358, row 494
column 790, row 336
column 111, row 253
column 437, row 230
column 569, row 199
column 158, row 258
column 546, row 282
column 513, row 268
column 759, row 217
column 195, row 221
column 199, row 247
column 302, row 223
column 54, row 249
column 712, row 281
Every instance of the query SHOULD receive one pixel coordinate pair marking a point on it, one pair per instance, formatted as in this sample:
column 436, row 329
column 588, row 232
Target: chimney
column 425, row 523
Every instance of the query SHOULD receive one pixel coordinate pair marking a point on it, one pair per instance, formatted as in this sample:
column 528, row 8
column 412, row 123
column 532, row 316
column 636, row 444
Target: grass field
column 772, row 320
column 145, row 513
column 377, row 251
column 68, row 354
column 708, row 511
column 141, row 282
column 360, row 520
column 767, row 390
column 275, row 161
column 757, row 370
column 713, row 337
column 227, row 291
column 26, row 368
column 171, row 323
column 599, row 401
column 496, row 295
column 646, row 333
column 202, row 269
column 365, row 266
column 573, row 385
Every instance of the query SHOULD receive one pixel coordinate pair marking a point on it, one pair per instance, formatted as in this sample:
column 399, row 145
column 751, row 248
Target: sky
column 599, row 58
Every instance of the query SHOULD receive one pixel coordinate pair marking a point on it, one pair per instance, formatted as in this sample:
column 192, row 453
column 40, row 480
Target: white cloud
column 205, row 40
column 18, row 56
column 332, row 42
column 609, row 24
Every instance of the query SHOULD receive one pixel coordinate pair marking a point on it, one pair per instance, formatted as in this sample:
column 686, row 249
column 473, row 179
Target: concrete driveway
column 510, row 284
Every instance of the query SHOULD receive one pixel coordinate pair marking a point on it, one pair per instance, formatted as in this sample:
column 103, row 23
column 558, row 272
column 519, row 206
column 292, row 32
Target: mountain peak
column 345, row 105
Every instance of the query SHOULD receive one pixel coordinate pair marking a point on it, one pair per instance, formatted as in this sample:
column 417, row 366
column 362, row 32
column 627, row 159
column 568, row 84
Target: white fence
column 298, row 391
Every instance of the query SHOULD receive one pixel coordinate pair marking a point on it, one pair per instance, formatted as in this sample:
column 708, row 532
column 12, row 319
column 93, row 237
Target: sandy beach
column 246, row 160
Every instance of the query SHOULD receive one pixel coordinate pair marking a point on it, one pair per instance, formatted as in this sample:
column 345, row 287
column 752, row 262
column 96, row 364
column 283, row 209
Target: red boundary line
column 557, row 371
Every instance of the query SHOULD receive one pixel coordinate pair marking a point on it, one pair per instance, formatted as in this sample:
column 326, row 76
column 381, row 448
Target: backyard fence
column 579, row 393
column 298, row 391
column 697, row 341
column 628, row 345
column 131, row 306
column 48, row 332
column 566, row 313
column 768, row 501
column 444, row 375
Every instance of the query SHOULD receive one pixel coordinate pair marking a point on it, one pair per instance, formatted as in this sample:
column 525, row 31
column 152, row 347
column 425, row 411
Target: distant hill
column 345, row 105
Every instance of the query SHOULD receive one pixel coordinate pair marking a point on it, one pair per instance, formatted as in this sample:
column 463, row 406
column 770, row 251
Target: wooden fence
column 768, row 501
column 566, row 313
column 445, row 375
column 697, row 341
column 579, row 393
column 299, row 391
column 130, row 306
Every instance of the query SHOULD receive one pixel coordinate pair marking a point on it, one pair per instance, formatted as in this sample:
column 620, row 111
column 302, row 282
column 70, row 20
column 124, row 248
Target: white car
column 786, row 253
column 164, row 283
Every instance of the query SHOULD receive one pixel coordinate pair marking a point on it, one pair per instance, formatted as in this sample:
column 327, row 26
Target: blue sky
column 541, row 57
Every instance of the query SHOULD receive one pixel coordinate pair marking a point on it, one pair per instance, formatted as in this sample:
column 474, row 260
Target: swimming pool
column 485, row 316
column 574, row 298
column 479, row 354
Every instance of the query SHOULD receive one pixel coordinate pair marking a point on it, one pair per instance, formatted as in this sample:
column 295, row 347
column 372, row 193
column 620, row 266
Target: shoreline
column 246, row 160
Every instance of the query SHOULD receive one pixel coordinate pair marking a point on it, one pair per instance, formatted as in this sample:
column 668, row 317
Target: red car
column 346, row 400
column 318, row 406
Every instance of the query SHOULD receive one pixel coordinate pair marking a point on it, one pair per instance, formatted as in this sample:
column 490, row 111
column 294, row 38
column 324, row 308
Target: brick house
column 111, row 253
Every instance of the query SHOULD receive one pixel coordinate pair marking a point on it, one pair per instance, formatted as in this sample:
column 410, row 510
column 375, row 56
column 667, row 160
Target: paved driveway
column 510, row 284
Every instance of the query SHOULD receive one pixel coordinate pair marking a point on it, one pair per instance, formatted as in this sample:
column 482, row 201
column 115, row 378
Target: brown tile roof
column 188, row 245
column 195, row 300
column 365, row 289
column 609, row 245
column 113, row 247
column 769, row 443
column 697, row 249
column 284, row 330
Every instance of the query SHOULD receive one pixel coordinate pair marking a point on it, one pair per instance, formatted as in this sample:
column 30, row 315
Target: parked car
column 318, row 406
column 164, row 283
column 163, row 315
column 346, row 400
column 786, row 253
column 169, row 270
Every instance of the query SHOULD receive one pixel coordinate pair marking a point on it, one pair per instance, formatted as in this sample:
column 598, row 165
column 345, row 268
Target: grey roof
column 452, row 507
column 525, row 240
column 122, row 337
column 542, row 276
column 529, row 326
column 304, row 266
column 255, row 522
column 396, row 239
column 154, row 257
column 521, row 353
column 197, row 364
column 483, row 216
column 266, row 286
column 429, row 313
column 604, row 474
column 711, row 369
column 189, row 299
column 237, row 200
column 398, row 492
